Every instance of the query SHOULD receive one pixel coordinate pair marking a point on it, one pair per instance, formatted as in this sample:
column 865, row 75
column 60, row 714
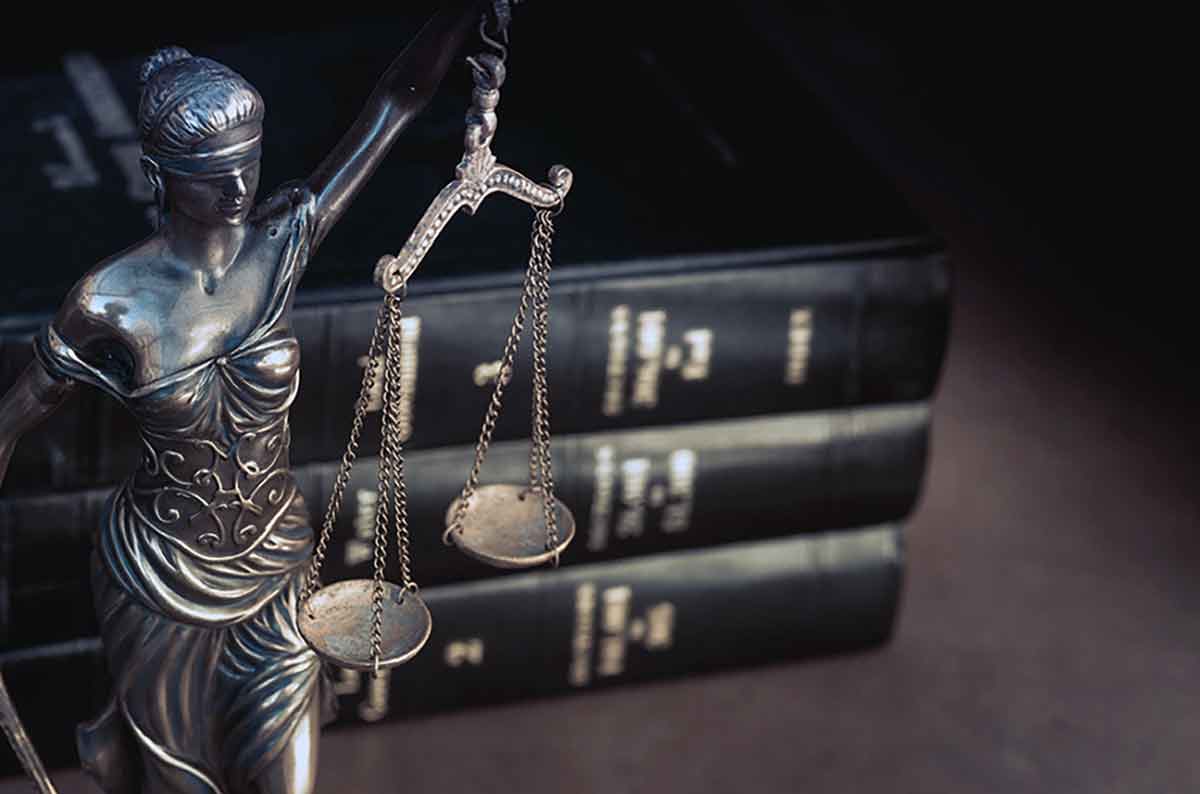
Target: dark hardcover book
column 572, row 629
column 674, row 160
column 631, row 346
column 633, row 493
column 678, row 341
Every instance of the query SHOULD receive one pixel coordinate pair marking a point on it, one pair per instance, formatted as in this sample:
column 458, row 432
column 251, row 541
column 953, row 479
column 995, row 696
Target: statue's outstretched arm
column 403, row 91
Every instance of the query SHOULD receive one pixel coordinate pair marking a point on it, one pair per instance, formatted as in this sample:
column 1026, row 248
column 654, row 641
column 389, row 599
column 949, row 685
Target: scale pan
column 505, row 527
column 336, row 622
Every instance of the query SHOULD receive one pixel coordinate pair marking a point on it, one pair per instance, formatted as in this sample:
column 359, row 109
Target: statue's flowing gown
column 201, row 553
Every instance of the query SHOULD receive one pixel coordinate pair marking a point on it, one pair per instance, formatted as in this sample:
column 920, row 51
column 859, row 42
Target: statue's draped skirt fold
column 223, row 699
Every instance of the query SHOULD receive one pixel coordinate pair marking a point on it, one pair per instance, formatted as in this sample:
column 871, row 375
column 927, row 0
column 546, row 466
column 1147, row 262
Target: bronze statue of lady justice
column 205, row 551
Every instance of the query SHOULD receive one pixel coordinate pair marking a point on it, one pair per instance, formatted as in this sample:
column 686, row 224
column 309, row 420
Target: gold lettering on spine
column 611, row 659
column 799, row 347
column 617, row 601
column 602, row 500
column 660, row 622
column 349, row 682
column 691, row 359
column 699, row 359
column 618, row 628
column 618, row 354
column 375, row 706
column 410, row 350
column 485, row 374
column 583, row 637
column 681, row 490
column 360, row 548
column 615, row 616
column 635, row 483
column 469, row 651
column 651, row 335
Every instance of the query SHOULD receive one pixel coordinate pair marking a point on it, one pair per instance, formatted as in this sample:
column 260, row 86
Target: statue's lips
column 231, row 207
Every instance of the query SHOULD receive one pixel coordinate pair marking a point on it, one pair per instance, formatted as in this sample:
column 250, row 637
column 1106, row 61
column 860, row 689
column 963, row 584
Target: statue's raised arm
column 403, row 91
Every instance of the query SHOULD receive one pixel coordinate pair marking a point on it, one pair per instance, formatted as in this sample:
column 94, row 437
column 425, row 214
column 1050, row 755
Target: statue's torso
column 160, row 316
column 215, row 471
column 210, row 379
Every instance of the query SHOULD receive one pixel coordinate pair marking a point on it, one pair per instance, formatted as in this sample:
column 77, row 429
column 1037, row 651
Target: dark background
column 1047, row 640
column 1029, row 133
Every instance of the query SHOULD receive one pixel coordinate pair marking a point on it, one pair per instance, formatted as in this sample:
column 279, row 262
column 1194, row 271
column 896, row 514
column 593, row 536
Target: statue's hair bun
column 163, row 57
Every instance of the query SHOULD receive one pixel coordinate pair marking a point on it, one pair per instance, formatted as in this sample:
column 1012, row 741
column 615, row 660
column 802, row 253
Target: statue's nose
column 234, row 186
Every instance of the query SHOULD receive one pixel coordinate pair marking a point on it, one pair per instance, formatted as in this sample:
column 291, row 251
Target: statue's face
column 223, row 196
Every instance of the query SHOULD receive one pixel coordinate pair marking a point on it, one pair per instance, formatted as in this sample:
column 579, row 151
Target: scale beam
column 477, row 176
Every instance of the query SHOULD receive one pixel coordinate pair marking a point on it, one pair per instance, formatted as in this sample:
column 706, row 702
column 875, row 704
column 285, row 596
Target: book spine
column 655, row 350
column 632, row 493
column 626, row 352
column 569, row 630
column 668, row 615
column 642, row 492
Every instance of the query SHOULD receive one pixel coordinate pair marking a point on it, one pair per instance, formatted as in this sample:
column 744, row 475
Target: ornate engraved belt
column 217, row 501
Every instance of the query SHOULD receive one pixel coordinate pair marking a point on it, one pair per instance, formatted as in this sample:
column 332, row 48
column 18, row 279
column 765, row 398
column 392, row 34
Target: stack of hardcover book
column 745, row 337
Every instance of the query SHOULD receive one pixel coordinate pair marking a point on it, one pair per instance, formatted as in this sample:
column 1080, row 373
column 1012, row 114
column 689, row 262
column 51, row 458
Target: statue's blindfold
column 232, row 158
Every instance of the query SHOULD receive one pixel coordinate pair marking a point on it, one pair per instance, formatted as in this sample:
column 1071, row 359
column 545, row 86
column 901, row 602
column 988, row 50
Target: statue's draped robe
column 200, row 554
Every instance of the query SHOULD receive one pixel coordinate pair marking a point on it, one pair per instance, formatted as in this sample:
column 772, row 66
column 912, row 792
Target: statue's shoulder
column 104, row 301
column 102, row 322
column 286, row 201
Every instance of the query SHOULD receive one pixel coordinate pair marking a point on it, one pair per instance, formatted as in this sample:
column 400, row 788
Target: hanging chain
column 493, row 411
column 392, row 496
column 384, row 489
column 541, row 469
column 312, row 582
column 535, row 300
column 540, row 295
column 393, row 442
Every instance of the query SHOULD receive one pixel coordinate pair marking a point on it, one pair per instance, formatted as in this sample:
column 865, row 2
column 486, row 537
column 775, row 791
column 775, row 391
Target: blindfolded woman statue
column 200, row 555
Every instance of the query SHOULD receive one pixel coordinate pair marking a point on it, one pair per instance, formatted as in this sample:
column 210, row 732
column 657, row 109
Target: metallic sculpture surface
column 202, row 551
column 478, row 175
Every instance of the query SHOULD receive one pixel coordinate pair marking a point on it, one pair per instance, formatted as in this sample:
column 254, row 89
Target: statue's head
column 201, row 129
